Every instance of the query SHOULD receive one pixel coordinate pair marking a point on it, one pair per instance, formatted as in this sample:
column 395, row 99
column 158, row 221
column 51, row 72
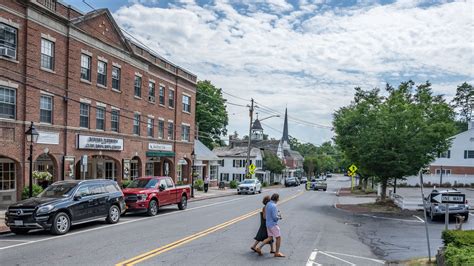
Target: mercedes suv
column 67, row 203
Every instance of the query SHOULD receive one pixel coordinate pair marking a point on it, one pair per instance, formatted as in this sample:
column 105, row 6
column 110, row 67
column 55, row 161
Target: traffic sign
column 252, row 168
column 353, row 168
column 456, row 198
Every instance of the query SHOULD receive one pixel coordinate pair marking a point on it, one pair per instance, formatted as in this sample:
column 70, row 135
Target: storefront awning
column 160, row 154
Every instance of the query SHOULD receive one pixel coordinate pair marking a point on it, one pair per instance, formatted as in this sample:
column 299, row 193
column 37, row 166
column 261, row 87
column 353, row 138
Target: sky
column 304, row 55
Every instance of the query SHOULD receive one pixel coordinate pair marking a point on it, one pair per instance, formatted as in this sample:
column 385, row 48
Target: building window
column 149, row 127
column 238, row 177
column 221, row 162
column 239, row 163
column 161, row 129
column 46, row 109
column 8, row 44
column 258, row 163
column 213, row 172
column 86, row 67
column 116, row 78
column 162, row 95
column 171, row 99
column 114, row 120
column 149, row 169
column 151, row 92
column 445, row 171
column 185, row 130
column 469, row 154
column 133, row 169
column 136, row 124
column 102, row 73
column 446, row 154
column 186, row 104
column 179, row 173
column 100, row 118
column 170, row 130
column 7, row 103
column 84, row 115
column 224, row 177
column 47, row 54
column 138, row 86
column 7, row 175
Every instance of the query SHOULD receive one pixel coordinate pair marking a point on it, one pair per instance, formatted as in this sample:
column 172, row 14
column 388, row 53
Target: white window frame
column 47, row 54
column 44, row 108
column 6, row 100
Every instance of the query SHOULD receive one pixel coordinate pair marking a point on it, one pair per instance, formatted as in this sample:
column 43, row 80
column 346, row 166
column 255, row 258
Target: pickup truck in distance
column 147, row 194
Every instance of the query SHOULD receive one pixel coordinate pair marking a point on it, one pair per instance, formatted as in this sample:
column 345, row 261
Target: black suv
column 67, row 203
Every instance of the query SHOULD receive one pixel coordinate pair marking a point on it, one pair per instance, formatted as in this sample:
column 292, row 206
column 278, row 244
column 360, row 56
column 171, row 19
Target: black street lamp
column 31, row 137
column 193, row 157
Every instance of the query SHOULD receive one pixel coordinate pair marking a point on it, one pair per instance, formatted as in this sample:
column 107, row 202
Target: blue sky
column 306, row 55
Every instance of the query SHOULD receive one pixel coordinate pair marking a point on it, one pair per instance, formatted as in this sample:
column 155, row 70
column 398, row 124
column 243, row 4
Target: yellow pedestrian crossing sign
column 353, row 168
column 252, row 168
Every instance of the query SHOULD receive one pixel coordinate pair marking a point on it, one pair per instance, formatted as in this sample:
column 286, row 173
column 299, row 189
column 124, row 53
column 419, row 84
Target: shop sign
column 99, row 143
column 48, row 137
column 160, row 147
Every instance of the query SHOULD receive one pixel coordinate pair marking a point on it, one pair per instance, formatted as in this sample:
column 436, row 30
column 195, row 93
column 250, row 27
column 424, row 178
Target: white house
column 232, row 163
column 205, row 163
column 455, row 165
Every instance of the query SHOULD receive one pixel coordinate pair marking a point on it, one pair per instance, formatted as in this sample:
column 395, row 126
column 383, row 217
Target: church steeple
column 285, row 128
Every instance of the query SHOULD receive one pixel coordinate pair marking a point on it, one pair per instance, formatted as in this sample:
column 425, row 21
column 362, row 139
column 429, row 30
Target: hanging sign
column 99, row 143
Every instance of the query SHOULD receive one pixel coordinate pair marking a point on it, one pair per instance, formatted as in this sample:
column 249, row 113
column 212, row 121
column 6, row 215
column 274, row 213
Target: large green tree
column 211, row 114
column 272, row 163
column 393, row 136
column 464, row 102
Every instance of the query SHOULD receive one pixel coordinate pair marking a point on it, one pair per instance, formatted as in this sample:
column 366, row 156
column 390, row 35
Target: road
column 220, row 232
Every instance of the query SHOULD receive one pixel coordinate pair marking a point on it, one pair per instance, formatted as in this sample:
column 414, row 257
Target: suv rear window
column 111, row 188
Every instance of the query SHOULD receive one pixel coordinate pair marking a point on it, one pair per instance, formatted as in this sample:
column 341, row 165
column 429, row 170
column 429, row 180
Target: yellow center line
column 173, row 245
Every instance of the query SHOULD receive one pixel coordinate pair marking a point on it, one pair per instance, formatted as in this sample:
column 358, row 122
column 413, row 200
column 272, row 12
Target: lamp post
column 193, row 157
column 31, row 137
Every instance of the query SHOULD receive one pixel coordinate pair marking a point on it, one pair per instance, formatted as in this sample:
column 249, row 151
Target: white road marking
column 11, row 240
column 337, row 258
column 419, row 218
column 122, row 223
column 359, row 257
column 312, row 258
column 394, row 219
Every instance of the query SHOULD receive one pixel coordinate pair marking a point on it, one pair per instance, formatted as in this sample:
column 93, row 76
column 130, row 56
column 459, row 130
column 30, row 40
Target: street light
column 268, row 117
column 31, row 137
column 193, row 157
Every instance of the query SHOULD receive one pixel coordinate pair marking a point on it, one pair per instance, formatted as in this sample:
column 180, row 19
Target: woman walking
column 262, row 231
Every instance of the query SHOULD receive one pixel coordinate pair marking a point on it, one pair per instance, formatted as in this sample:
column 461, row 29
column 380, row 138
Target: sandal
column 273, row 252
column 279, row 255
column 259, row 251
column 252, row 248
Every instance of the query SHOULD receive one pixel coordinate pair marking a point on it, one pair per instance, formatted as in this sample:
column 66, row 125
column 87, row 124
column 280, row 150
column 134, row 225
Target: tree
column 464, row 101
column 394, row 136
column 272, row 163
column 211, row 114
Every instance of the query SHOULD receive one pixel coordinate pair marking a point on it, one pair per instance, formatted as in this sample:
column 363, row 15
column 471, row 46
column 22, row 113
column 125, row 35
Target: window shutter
column 465, row 154
column 449, row 154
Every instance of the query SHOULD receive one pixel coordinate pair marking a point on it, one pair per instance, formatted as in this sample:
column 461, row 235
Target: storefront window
column 213, row 172
column 110, row 170
column 133, row 169
column 179, row 172
column 149, row 169
column 7, row 175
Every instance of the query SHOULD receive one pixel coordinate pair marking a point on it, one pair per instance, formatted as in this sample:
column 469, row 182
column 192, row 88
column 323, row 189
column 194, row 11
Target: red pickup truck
column 150, row 193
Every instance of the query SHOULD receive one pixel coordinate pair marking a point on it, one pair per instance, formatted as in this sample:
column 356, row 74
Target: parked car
column 304, row 180
column 328, row 174
column 291, row 182
column 434, row 210
column 249, row 186
column 148, row 194
column 317, row 184
column 66, row 203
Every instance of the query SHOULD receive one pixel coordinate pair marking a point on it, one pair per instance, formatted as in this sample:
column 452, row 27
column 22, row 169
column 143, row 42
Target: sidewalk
column 213, row 192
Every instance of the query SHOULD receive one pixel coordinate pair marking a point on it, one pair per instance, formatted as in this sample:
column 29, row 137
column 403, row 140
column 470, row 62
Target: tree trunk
column 366, row 182
column 383, row 195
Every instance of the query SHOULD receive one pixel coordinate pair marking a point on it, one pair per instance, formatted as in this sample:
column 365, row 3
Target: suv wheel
column 183, row 203
column 61, row 224
column 20, row 231
column 152, row 208
column 114, row 215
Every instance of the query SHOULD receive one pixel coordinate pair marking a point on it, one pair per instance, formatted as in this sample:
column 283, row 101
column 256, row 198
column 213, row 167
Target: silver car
column 317, row 184
column 434, row 210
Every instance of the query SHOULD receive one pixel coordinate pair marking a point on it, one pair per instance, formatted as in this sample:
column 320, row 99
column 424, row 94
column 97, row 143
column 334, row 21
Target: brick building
column 91, row 92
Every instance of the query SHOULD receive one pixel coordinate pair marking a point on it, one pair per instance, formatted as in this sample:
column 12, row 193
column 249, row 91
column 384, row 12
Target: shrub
column 46, row 176
column 447, row 184
column 179, row 183
column 264, row 184
column 36, row 190
column 199, row 184
column 233, row 184
column 458, row 238
column 456, row 256
column 126, row 182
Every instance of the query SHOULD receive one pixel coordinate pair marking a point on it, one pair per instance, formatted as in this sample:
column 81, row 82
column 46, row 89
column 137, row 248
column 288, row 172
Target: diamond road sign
column 455, row 198
column 353, row 168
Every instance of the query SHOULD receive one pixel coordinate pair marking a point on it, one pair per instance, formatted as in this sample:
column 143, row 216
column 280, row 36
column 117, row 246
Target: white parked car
column 249, row 186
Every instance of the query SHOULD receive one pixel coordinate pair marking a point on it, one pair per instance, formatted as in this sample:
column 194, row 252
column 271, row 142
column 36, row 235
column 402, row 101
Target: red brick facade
column 454, row 170
column 94, row 34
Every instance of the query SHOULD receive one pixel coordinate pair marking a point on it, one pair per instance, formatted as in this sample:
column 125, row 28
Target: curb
column 211, row 197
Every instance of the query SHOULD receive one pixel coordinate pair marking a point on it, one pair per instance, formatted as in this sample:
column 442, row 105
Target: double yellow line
column 160, row 250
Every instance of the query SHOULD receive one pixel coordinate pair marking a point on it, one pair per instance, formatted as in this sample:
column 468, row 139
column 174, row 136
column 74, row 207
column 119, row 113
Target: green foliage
column 199, row 184
column 394, row 136
column 36, row 190
column 264, row 184
column 463, row 100
column 458, row 238
column 233, row 184
column 43, row 176
column 455, row 256
column 179, row 183
column 211, row 114
column 272, row 163
column 326, row 157
column 126, row 182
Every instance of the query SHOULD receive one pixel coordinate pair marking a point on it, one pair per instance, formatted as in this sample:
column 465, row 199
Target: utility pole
column 247, row 164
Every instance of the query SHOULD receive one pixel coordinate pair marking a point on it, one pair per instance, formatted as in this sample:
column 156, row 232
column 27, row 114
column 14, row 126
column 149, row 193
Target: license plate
column 18, row 222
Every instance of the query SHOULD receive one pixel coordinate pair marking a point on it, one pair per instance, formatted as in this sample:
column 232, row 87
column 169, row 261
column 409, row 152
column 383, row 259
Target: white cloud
column 307, row 60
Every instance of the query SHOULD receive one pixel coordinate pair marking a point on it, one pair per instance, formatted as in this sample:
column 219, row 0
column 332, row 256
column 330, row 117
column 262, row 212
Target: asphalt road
column 220, row 232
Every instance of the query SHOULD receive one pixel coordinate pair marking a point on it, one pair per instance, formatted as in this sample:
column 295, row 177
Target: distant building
column 233, row 162
column 205, row 163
